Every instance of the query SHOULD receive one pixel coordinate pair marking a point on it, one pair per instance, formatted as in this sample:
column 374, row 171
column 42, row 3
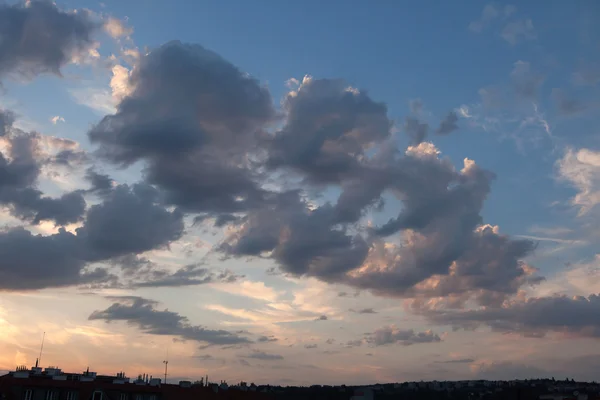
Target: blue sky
column 521, row 81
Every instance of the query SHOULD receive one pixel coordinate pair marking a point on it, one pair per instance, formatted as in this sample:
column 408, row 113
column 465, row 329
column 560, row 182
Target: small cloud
column 330, row 341
column 264, row 339
column 117, row 28
column 457, row 361
column 489, row 13
column 204, row 357
column 363, row 311
column 322, row 318
column 311, row 346
column 514, row 31
column 56, row 119
column 261, row 355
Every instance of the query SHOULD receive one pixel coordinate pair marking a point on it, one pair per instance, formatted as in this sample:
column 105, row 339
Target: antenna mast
column 166, row 362
column 42, row 348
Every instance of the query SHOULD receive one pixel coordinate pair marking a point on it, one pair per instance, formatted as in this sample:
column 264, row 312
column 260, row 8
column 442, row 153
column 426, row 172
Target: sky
column 301, row 193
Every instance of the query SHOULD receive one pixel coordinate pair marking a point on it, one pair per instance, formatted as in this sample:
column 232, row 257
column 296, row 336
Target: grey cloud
column 525, row 80
column 448, row 124
column 101, row 183
column 416, row 131
column 533, row 317
column 329, row 126
column 204, row 357
column 192, row 118
column 244, row 363
column 322, row 318
column 565, row 104
column 142, row 313
column 587, row 75
column 7, row 118
column 330, row 341
column 354, row 343
column 363, row 311
column 457, row 361
column 35, row 262
column 266, row 339
column 312, row 244
column 390, row 335
column 415, row 106
column 130, row 220
column 188, row 275
column 518, row 30
column 40, row 38
column 18, row 178
column 30, row 204
column 261, row 355
column 311, row 346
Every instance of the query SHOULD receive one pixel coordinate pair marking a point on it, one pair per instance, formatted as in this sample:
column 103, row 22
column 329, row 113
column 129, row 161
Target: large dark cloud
column 193, row 119
column 131, row 220
column 391, row 335
column 35, row 262
column 533, row 317
column 142, row 313
column 329, row 127
column 36, row 37
column 303, row 241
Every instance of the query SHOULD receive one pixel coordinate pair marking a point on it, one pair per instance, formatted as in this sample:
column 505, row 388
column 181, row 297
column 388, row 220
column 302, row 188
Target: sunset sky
column 309, row 192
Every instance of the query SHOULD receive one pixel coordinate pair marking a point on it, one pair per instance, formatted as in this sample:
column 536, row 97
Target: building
column 53, row 384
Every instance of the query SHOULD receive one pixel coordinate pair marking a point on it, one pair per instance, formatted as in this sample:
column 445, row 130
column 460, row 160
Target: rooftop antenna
column 166, row 362
column 41, row 349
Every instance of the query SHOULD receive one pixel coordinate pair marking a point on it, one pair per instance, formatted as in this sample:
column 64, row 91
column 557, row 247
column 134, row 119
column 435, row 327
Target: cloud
column 391, row 335
column 322, row 318
column 532, row 317
column 417, row 131
column 130, row 220
column 188, row 275
column 565, row 104
column 261, row 355
column 457, row 361
column 329, row 126
column 311, row 346
column 192, row 117
column 581, row 169
column 518, row 30
column 448, row 124
column 7, row 118
column 489, row 13
column 40, row 38
column 526, row 81
column 56, row 119
column 116, row 28
column 363, row 311
column 264, row 339
column 35, row 262
column 20, row 168
column 142, row 313
column 101, row 183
